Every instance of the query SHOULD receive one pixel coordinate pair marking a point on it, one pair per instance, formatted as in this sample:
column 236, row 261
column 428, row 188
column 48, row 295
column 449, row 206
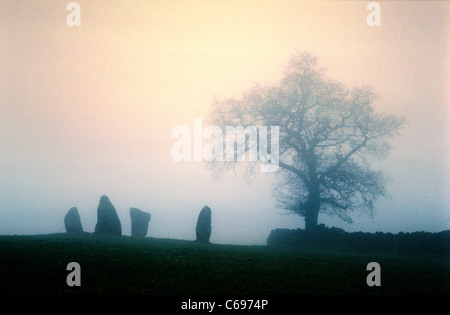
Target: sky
column 88, row 110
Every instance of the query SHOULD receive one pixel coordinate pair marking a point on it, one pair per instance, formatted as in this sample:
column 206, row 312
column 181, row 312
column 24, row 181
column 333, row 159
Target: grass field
column 126, row 265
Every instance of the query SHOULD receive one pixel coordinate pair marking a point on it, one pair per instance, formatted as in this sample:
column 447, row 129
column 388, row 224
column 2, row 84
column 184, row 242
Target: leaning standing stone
column 72, row 221
column 203, row 229
column 107, row 219
column 139, row 222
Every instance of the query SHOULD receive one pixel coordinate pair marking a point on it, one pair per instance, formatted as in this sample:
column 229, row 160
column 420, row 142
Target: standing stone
column 72, row 221
column 139, row 222
column 203, row 229
column 107, row 219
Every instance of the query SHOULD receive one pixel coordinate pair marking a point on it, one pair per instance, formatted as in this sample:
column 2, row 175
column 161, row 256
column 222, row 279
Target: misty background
column 88, row 111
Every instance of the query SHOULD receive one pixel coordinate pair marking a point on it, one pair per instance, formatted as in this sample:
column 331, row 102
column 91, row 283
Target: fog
column 88, row 110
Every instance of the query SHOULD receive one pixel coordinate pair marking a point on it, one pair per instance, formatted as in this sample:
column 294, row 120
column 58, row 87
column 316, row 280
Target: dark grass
column 126, row 265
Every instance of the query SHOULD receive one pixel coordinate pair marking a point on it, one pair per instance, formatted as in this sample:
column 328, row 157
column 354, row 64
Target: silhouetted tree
column 327, row 133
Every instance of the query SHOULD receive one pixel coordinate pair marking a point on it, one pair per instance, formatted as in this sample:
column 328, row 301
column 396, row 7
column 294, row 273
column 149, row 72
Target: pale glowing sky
column 88, row 110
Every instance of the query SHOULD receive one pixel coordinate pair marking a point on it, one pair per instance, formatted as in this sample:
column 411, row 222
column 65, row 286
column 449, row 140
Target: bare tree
column 327, row 134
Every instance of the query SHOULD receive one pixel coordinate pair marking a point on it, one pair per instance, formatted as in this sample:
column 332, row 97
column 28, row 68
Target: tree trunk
column 312, row 209
column 311, row 219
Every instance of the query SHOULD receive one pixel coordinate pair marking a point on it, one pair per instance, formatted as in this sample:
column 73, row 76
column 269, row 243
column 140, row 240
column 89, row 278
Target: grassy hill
column 126, row 265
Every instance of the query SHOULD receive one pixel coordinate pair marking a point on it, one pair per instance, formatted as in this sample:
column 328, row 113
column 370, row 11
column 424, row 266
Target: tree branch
column 296, row 171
